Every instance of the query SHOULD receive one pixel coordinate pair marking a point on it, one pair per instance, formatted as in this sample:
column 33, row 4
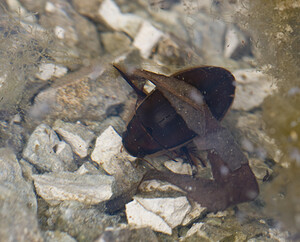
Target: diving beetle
column 187, row 106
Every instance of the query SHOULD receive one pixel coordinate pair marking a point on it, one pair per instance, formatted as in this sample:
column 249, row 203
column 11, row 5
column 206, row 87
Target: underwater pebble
column 108, row 150
column 128, row 234
column 196, row 211
column 78, row 34
column 18, row 213
column 147, row 37
column 179, row 167
column 65, row 186
column 48, row 70
column 251, row 89
column 115, row 42
column 171, row 210
column 57, row 236
column 138, row 216
column 259, row 168
column 82, row 222
column 47, row 152
column 87, row 168
column 77, row 135
column 111, row 15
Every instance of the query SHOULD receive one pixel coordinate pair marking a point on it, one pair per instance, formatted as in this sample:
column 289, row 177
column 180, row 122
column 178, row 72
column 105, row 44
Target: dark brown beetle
column 156, row 126
column 188, row 106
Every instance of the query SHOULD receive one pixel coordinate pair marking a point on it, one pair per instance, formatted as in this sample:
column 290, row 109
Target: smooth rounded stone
column 77, row 135
column 33, row 5
column 57, row 236
column 77, row 32
column 138, row 216
column 171, row 210
column 91, row 93
column 110, row 14
column 147, row 38
column 87, row 8
column 128, row 234
column 49, row 70
column 18, row 218
column 115, row 42
column 252, row 87
column 179, row 167
column 17, row 9
column 65, row 186
column 108, row 152
column 79, row 221
column 47, row 152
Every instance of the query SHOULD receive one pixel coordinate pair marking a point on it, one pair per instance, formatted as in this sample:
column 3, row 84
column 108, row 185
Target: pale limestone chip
column 65, row 186
column 171, row 210
column 147, row 38
column 137, row 215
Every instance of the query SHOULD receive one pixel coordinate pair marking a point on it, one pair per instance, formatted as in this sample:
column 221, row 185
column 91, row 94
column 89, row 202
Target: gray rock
column 81, row 222
column 87, row 8
column 47, row 152
column 115, row 121
column 75, row 31
column 87, row 168
column 236, row 43
column 115, row 43
column 160, row 214
column 57, row 236
column 107, row 153
column 251, row 89
column 77, row 135
column 87, row 188
column 91, row 93
column 49, row 70
column 18, row 218
column 110, row 15
column 128, row 234
column 147, row 38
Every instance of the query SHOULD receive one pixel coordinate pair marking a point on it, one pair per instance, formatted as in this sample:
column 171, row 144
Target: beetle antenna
column 126, row 77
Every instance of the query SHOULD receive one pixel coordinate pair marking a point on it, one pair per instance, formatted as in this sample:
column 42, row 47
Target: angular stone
column 49, row 70
column 111, row 15
column 47, row 152
column 138, row 216
column 107, row 150
column 147, row 38
column 77, row 135
column 65, row 186
column 251, row 89
column 179, row 167
column 18, row 218
column 171, row 210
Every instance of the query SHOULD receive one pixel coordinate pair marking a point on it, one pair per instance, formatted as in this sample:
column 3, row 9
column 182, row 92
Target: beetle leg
column 190, row 160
